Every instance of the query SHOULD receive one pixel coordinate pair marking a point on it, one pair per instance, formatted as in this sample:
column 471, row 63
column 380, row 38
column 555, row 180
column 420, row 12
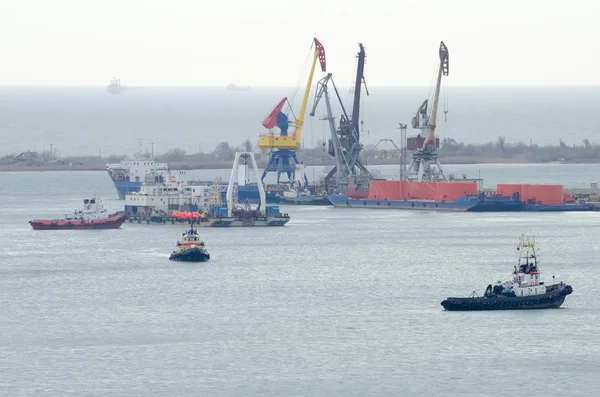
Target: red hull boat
column 113, row 222
column 93, row 216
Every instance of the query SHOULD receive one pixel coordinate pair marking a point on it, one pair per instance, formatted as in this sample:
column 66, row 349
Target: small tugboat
column 525, row 290
column 191, row 248
column 92, row 216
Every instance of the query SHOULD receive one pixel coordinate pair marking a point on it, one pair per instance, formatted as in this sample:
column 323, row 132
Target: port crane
column 283, row 146
column 345, row 144
column 425, row 164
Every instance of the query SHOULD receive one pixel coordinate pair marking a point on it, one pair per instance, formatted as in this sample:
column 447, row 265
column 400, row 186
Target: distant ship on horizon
column 233, row 87
column 115, row 87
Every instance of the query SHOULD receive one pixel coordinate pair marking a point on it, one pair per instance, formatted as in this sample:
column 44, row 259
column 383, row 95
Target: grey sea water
column 339, row 302
column 87, row 120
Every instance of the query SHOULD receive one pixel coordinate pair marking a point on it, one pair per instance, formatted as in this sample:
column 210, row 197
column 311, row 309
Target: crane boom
column 425, row 165
column 320, row 55
column 360, row 78
column 292, row 142
column 444, row 69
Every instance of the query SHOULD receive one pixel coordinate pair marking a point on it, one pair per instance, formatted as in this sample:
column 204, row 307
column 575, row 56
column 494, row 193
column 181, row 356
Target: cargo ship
column 115, row 87
column 129, row 175
column 180, row 200
column 233, row 87
column 462, row 196
column 425, row 186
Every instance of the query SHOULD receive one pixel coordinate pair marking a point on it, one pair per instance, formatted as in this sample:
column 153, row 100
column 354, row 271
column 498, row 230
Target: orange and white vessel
column 93, row 215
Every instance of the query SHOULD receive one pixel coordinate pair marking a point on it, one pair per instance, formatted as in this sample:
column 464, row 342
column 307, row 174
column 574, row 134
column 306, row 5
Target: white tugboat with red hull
column 525, row 290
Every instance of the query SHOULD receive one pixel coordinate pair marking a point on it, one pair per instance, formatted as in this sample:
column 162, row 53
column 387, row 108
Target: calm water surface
column 336, row 303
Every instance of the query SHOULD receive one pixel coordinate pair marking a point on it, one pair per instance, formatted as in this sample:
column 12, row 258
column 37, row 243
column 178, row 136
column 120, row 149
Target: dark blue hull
column 553, row 299
column 517, row 206
column 249, row 193
column 467, row 204
column 124, row 187
column 492, row 206
column 190, row 255
column 344, row 202
column 304, row 200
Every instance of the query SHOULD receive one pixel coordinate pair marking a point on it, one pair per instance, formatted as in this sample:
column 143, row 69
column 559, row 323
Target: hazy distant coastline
column 83, row 121
column 221, row 157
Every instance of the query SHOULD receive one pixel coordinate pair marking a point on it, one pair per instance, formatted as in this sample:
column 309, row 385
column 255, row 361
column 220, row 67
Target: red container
column 450, row 191
column 384, row 190
column 546, row 194
column 505, row 189
column 421, row 190
column 438, row 191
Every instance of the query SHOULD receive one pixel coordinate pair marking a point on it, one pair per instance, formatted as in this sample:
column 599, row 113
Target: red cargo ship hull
column 113, row 222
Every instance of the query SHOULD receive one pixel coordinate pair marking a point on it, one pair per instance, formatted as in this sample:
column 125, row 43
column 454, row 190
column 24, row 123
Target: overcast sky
column 266, row 42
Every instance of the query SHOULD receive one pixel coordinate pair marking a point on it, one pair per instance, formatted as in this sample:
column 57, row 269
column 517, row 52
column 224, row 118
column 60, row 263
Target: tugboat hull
column 113, row 222
column 552, row 299
column 190, row 255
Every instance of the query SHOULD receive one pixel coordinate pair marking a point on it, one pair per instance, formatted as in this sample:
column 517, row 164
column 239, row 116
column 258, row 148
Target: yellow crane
column 283, row 145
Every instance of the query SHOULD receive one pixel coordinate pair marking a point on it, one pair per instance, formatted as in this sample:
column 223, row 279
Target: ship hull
column 190, row 255
column 217, row 221
column 415, row 205
column 113, row 222
column 517, row 206
column 304, row 200
column 473, row 205
column 553, row 299
column 124, row 187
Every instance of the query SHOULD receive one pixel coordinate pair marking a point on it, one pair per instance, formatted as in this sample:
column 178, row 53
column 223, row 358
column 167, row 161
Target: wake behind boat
column 525, row 290
column 93, row 215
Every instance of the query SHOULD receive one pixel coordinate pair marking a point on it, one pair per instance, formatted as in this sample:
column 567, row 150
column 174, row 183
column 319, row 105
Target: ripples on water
column 338, row 302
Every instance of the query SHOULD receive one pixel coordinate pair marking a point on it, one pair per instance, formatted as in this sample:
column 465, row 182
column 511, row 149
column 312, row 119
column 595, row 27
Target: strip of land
column 450, row 152
column 216, row 165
